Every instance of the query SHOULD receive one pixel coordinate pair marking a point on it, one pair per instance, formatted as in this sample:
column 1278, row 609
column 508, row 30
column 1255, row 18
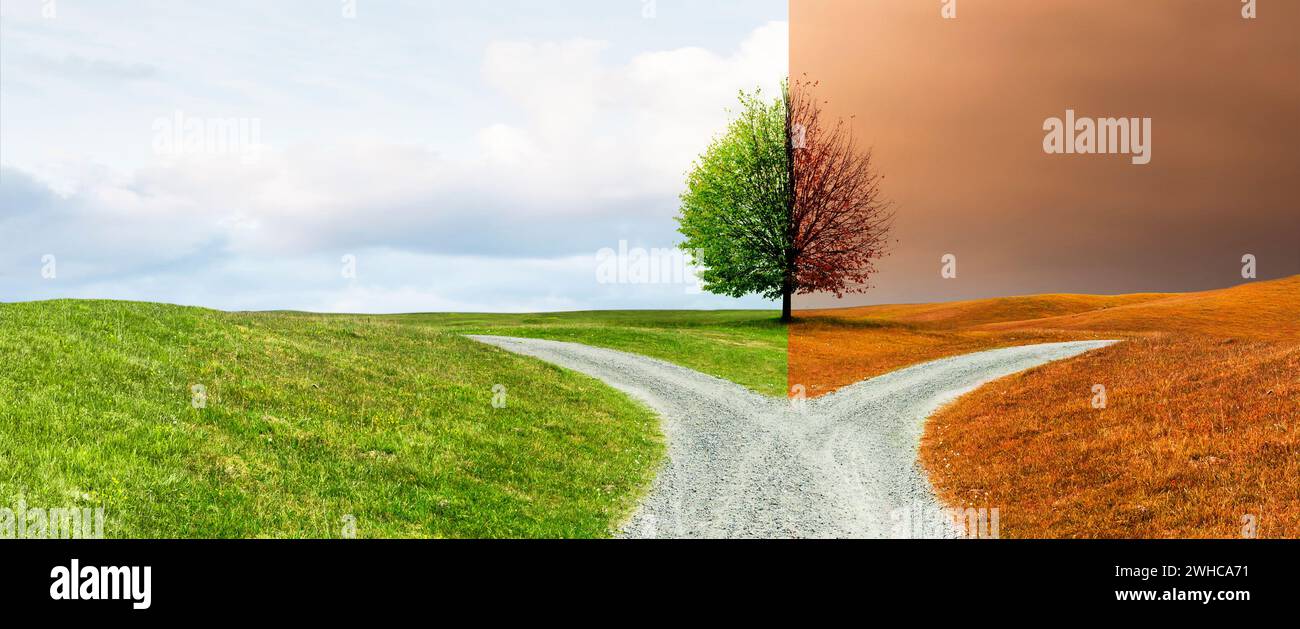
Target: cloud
column 79, row 68
column 583, row 151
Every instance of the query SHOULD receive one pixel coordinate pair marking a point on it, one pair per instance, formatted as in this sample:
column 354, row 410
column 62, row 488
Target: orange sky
column 955, row 108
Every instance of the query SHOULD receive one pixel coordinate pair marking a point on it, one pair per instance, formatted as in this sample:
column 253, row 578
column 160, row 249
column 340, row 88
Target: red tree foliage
column 840, row 221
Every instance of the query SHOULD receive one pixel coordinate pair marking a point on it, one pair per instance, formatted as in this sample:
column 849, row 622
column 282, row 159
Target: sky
column 954, row 110
column 367, row 156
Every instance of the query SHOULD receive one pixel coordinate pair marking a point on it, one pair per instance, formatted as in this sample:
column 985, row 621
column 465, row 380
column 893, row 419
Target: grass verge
column 745, row 346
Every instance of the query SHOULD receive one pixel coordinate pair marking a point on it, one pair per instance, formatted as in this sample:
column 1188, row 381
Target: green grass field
column 745, row 346
column 312, row 421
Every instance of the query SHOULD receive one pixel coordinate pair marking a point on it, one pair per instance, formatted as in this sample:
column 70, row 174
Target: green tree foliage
column 735, row 211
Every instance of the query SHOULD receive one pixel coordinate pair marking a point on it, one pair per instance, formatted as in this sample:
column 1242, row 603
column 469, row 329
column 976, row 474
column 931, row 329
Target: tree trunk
column 786, row 315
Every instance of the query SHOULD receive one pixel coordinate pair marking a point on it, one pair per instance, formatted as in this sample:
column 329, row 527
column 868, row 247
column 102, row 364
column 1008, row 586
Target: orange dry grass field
column 1200, row 436
column 829, row 349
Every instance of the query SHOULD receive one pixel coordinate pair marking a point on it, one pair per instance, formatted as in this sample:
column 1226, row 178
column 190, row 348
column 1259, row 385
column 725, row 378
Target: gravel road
column 744, row 465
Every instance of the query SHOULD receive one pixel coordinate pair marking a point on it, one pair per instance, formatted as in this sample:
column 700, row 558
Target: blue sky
column 466, row 155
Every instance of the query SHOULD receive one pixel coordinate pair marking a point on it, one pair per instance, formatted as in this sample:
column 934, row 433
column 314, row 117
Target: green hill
column 311, row 421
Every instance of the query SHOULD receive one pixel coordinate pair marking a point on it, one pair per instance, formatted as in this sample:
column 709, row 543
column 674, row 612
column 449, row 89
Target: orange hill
column 1200, row 435
column 1265, row 310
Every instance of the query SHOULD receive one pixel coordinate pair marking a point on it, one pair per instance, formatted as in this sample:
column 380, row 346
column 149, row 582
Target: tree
column 735, row 211
column 781, row 204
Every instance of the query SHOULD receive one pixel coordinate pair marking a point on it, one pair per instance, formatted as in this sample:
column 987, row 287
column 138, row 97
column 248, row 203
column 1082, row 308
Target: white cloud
column 584, row 150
